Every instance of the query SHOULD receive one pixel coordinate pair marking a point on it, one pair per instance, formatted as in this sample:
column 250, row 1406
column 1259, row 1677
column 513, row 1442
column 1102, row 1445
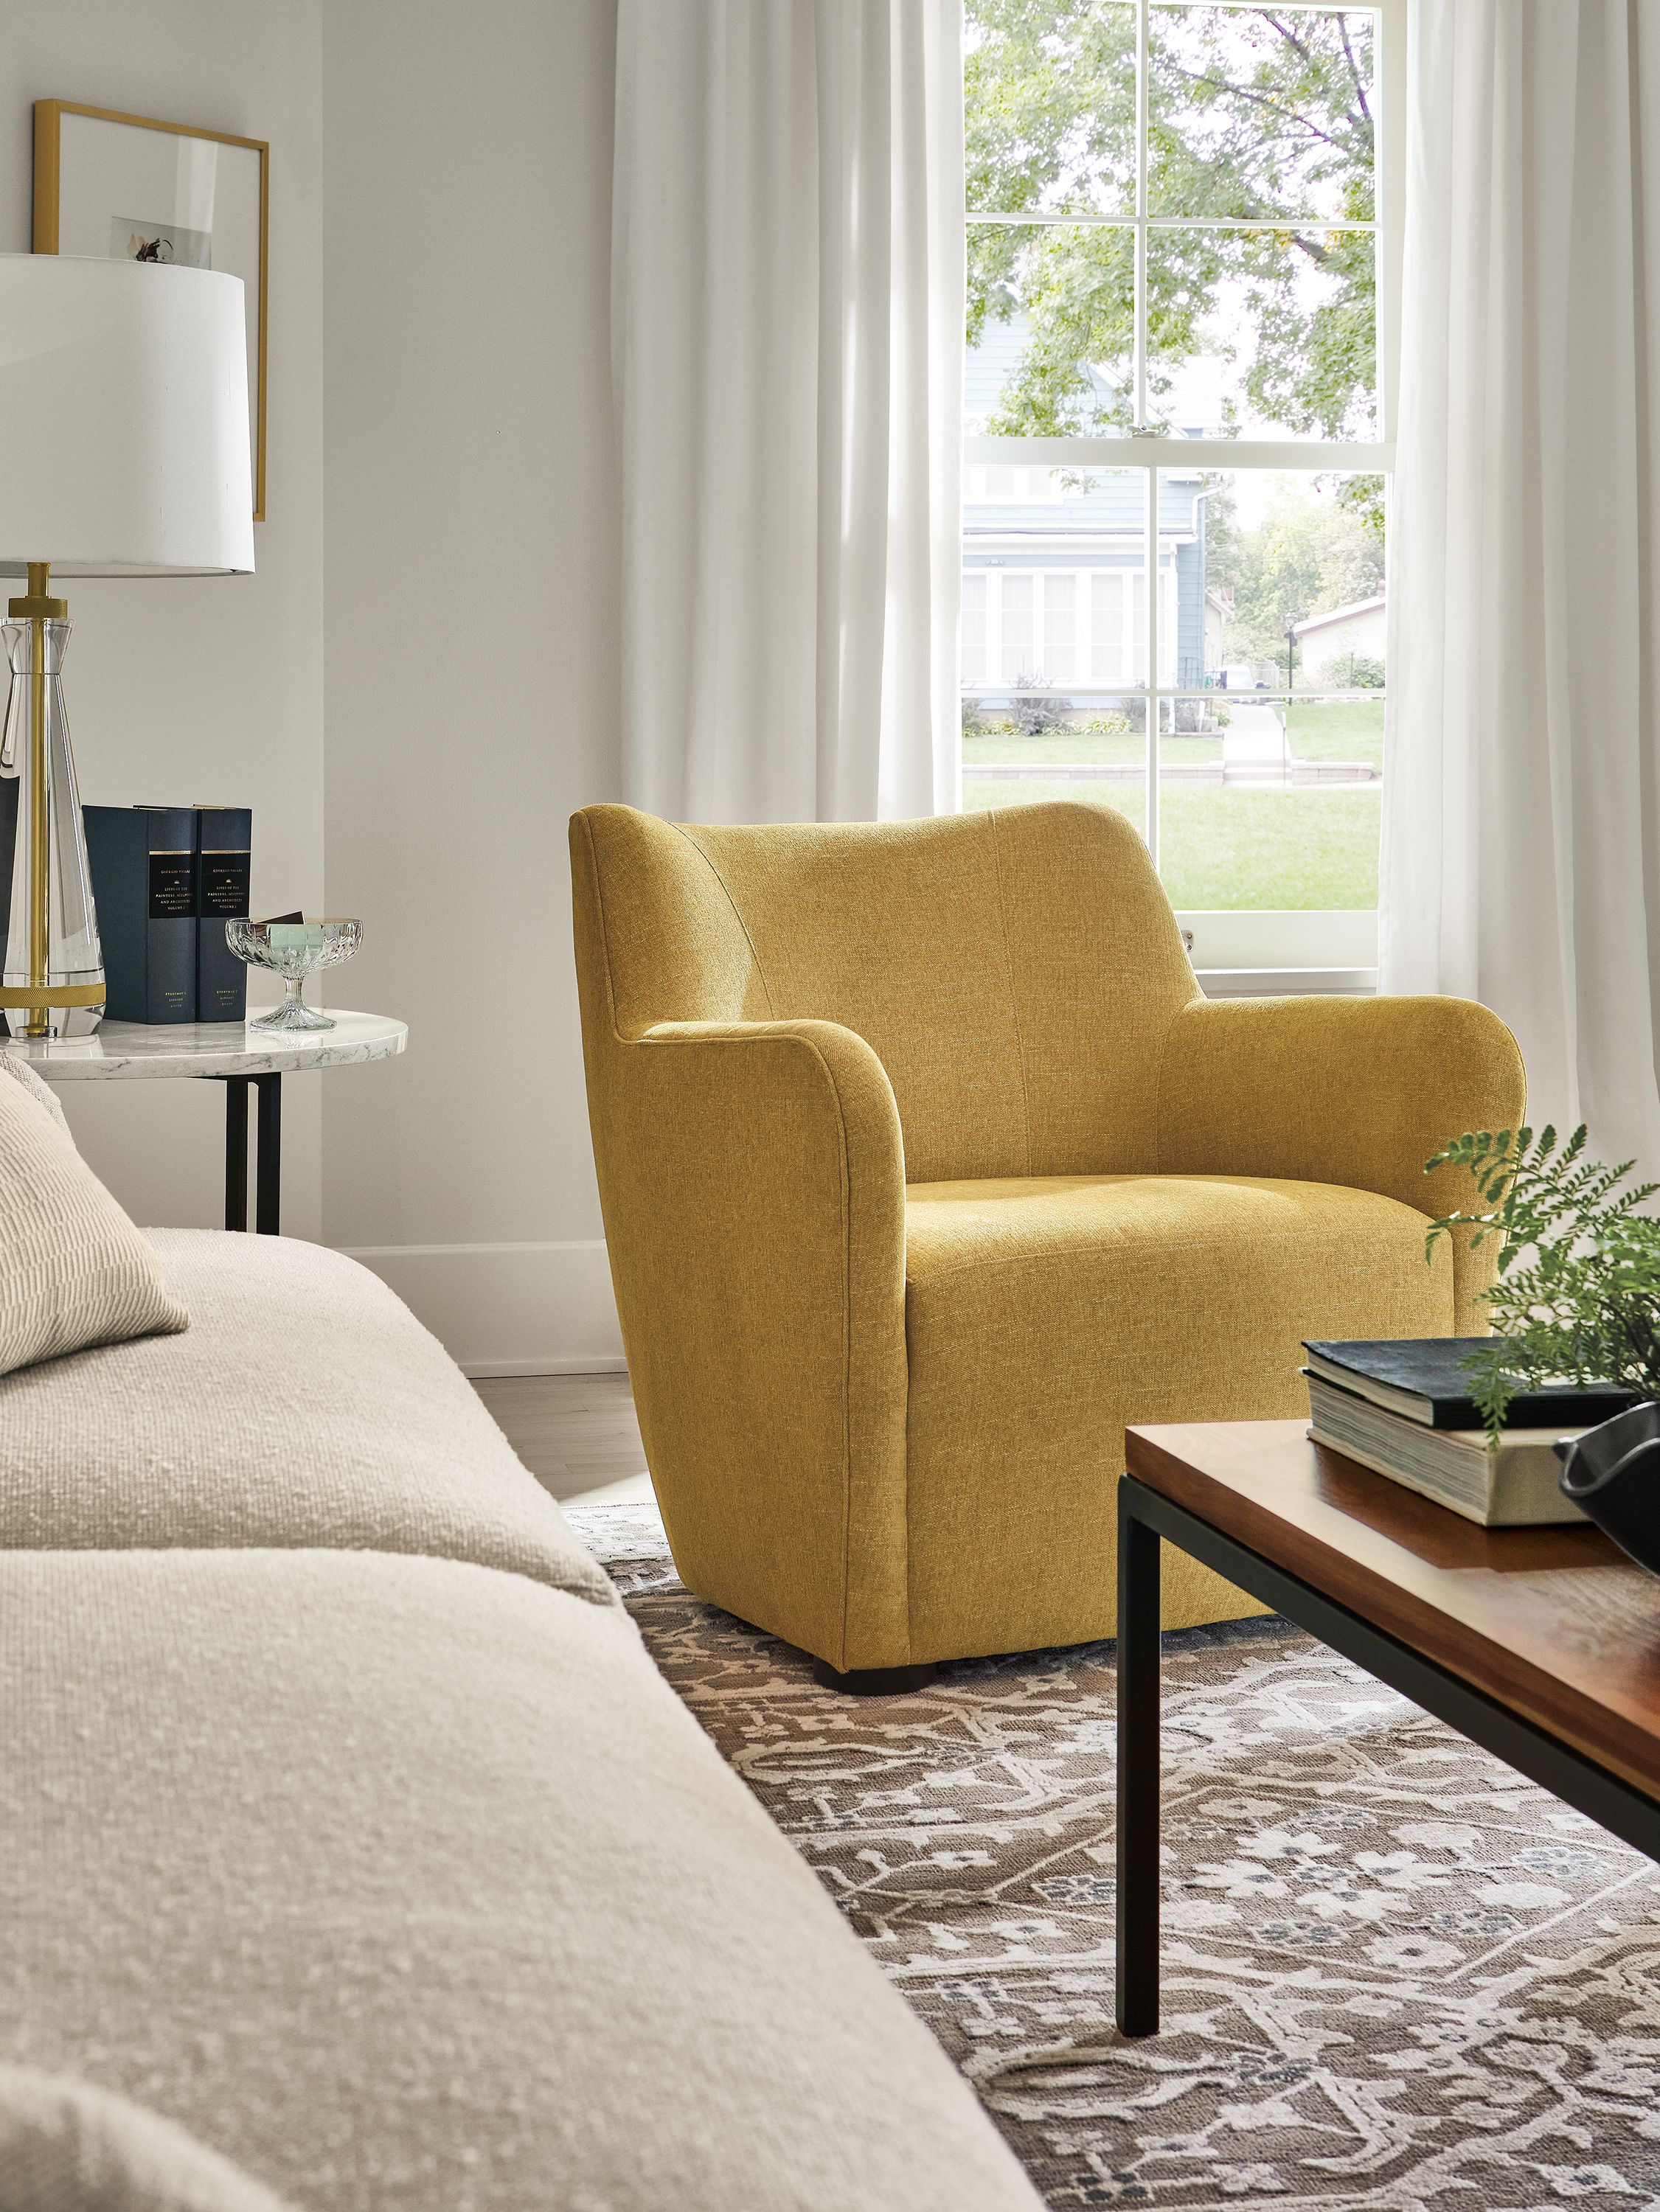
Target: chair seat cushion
column 305, row 1405
column 413, row 1888
column 1043, row 1313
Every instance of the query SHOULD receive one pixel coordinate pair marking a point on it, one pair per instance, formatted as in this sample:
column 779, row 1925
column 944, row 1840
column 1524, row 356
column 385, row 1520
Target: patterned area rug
column 1397, row 1978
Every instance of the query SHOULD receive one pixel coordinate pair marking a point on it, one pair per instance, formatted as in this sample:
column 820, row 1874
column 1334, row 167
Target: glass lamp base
column 50, row 928
column 294, row 1013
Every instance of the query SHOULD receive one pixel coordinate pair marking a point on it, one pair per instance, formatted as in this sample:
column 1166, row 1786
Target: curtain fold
column 1521, row 859
column 786, row 344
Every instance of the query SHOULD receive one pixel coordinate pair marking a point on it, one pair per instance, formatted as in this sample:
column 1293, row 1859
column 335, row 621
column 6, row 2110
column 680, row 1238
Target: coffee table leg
column 1138, row 1771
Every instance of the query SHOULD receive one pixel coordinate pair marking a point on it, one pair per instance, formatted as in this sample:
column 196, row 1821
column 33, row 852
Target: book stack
column 165, row 880
column 1403, row 1408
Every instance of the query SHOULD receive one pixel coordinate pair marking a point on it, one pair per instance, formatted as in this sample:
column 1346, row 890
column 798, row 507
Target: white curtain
column 1522, row 796
column 787, row 260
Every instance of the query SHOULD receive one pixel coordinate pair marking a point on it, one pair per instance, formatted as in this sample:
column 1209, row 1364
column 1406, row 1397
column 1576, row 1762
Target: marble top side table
column 234, row 1054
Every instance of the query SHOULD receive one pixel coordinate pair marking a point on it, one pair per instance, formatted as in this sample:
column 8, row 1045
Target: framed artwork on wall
column 128, row 187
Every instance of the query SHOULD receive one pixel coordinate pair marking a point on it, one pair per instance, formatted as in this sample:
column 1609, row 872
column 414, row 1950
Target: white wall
column 471, row 646
column 438, row 343
column 206, row 689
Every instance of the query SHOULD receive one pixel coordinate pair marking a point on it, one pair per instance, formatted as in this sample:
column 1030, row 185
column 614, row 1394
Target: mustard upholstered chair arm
column 754, row 1184
column 1355, row 1092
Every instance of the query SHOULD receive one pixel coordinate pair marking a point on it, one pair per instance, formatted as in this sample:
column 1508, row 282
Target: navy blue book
column 224, row 839
column 1423, row 1379
column 144, row 869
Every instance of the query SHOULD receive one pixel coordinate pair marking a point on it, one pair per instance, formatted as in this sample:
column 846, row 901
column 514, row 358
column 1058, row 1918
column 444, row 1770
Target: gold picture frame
column 94, row 224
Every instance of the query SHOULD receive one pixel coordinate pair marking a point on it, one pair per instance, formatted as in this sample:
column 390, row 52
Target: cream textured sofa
column 347, row 1825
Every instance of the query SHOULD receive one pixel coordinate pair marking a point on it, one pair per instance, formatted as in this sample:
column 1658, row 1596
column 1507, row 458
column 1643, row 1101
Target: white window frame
column 1250, row 949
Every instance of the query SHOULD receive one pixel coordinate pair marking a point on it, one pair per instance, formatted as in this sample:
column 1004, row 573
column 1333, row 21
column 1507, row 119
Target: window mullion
column 1149, row 643
column 1138, row 314
column 1150, row 555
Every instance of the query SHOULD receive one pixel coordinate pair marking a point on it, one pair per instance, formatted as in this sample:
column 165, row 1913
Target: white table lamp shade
column 124, row 419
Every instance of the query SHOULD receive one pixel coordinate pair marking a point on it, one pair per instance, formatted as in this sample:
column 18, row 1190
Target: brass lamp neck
column 39, row 605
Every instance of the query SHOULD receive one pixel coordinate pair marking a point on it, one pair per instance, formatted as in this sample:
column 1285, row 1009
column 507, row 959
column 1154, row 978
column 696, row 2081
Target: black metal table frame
column 1145, row 1516
column 268, row 1165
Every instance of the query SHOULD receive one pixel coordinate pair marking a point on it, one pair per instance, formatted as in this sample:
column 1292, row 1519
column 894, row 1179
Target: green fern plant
column 1576, row 1295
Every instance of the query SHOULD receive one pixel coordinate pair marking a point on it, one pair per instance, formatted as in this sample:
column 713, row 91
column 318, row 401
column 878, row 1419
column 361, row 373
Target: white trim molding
column 1262, row 941
column 1178, row 455
column 509, row 1309
column 1286, row 982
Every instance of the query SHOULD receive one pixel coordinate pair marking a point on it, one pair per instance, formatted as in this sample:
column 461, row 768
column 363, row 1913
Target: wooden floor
column 576, row 1433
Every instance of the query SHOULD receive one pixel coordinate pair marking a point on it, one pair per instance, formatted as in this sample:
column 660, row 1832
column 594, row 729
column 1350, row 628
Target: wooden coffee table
column 1542, row 1644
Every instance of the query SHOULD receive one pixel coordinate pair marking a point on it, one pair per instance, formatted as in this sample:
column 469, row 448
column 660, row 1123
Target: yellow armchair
column 925, row 1169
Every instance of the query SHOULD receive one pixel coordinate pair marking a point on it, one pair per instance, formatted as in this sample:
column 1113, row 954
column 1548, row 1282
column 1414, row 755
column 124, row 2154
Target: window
column 1183, row 272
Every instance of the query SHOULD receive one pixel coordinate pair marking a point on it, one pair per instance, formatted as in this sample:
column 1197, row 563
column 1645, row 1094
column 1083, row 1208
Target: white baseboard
column 509, row 1309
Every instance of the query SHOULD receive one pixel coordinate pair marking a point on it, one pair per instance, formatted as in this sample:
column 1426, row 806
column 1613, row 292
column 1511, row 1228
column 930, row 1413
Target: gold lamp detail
column 125, row 384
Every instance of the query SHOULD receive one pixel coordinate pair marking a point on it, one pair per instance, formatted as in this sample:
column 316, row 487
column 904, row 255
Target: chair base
column 874, row 1681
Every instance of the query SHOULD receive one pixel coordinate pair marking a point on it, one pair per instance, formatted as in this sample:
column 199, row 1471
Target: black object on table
column 1610, row 1472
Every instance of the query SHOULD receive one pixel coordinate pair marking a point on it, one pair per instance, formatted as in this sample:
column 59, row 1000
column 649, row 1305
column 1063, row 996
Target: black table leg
column 267, row 1188
column 236, row 1151
column 1138, row 1771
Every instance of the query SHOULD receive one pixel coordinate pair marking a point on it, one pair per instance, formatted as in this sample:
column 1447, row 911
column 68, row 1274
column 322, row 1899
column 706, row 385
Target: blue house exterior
column 1055, row 567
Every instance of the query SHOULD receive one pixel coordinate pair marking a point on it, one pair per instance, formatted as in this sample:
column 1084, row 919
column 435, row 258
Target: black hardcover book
column 1423, row 1378
column 224, row 839
column 143, row 866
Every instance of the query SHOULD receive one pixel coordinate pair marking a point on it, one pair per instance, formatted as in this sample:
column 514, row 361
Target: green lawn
column 1052, row 745
column 1338, row 730
column 1177, row 752
column 1298, row 851
column 1127, row 747
column 1222, row 848
column 1127, row 798
column 1286, row 851
column 1326, row 730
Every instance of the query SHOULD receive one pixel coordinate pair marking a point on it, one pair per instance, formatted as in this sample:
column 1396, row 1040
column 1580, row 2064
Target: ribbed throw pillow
column 74, row 1271
column 18, row 1068
column 68, row 2147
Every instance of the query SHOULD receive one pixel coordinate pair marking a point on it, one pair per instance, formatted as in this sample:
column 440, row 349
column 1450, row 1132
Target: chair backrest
column 1016, row 971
